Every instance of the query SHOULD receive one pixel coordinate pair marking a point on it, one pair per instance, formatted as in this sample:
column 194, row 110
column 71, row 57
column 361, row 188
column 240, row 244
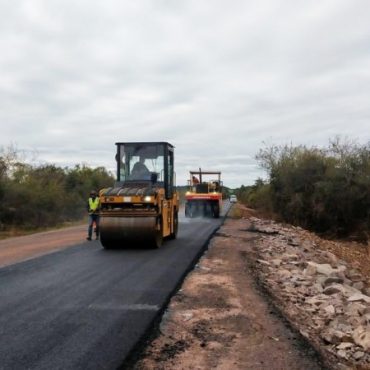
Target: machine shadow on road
column 134, row 247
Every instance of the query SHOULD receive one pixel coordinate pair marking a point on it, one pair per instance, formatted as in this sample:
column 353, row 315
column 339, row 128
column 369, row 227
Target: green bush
column 326, row 190
column 45, row 195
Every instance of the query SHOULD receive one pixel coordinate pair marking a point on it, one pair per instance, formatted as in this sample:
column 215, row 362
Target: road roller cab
column 204, row 195
column 142, row 207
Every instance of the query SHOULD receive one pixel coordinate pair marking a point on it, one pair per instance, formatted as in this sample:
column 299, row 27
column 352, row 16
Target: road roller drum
column 130, row 231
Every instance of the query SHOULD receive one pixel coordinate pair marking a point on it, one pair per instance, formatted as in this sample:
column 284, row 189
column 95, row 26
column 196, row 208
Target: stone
column 263, row 262
column 358, row 355
column 293, row 242
column 345, row 345
column 342, row 354
column 319, row 323
column 361, row 336
column 289, row 257
column 332, row 258
column 332, row 336
column 276, row 262
column 359, row 297
column 330, row 310
column 345, row 328
column 320, row 279
column 284, row 274
column 206, row 269
column 346, row 281
column 341, row 269
column 307, row 245
column 310, row 270
column 355, row 321
column 366, row 319
column 332, row 280
column 355, row 309
column 187, row 316
column 349, row 291
column 317, row 288
column 297, row 274
column 354, row 275
column 333, row 289
column 359, row 285
column 323, row 268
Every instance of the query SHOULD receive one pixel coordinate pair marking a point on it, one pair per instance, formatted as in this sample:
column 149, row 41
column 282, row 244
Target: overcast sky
column 215, row 78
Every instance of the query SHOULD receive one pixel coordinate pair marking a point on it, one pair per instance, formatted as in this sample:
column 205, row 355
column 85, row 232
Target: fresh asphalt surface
column 86, row 307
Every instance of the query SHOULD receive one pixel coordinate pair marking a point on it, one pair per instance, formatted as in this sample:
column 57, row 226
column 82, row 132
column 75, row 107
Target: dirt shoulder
column 220, row 319
column 262, row 297
column 21, row 248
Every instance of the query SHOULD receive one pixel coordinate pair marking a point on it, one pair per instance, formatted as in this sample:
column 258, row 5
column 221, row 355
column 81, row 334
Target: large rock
column 322, row 268
column 358, row 355
column 345, row 345
column 366, row 319
column 332, row 258
column 284, row 274
column 350, row 291
column 359, row 285
column 361, row 336
column 333, row 289
column 330, row 310
column 355, row 309
column 354, row 275
column 332, row 280
column 333, row 336
column 359, row 297
column 276, row 262
column 310, row 270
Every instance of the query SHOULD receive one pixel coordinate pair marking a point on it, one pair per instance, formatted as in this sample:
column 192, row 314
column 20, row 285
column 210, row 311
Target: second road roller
column 142, row 206
column 204, row 197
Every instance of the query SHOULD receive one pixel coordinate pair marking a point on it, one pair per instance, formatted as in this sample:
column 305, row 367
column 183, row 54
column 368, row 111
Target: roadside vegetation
column 42, row 196
column 326, row 190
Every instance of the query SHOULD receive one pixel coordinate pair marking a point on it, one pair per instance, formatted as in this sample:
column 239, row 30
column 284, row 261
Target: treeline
column 34, row 196
column 323, row 189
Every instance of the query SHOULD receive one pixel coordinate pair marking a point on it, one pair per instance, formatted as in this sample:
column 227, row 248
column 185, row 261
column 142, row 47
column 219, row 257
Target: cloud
column 215, row 79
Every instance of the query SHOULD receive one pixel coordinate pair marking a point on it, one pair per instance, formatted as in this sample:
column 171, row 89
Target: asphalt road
column 86, row 307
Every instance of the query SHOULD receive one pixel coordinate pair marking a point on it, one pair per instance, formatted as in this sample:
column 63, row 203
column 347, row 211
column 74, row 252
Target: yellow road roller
column 142, row 206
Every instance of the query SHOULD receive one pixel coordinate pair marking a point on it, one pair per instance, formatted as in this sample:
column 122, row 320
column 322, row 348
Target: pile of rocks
column 324, row 297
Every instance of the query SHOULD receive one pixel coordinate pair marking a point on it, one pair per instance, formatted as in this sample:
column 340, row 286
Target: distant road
column 84, row 307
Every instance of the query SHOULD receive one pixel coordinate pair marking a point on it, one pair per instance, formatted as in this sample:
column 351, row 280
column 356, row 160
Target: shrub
column 45, row 195
column 327, row 190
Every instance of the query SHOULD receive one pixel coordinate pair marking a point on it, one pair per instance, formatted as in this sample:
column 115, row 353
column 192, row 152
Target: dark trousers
column 93, row 218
